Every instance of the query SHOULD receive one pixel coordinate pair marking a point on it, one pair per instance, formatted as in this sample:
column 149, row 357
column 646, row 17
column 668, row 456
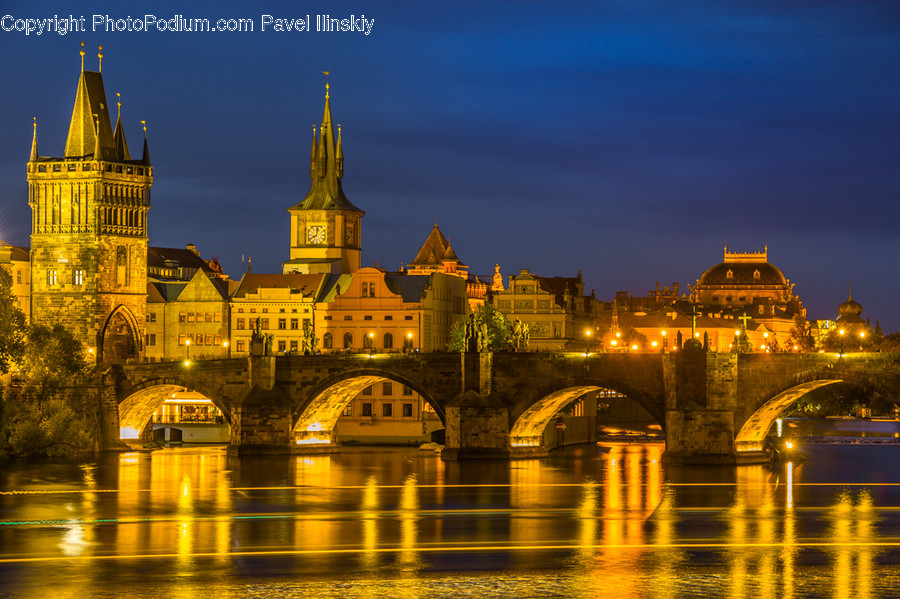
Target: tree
column 12, row 330
column 801, row 335
column 499, row 330
column 51, row 414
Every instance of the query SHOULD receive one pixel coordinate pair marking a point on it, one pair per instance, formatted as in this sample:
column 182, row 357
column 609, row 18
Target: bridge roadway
column 713, row 408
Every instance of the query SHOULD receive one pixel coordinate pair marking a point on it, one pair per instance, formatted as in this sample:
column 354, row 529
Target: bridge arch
column 315, row 419
column 530, row 418
column 118, row 340
column 138, row 402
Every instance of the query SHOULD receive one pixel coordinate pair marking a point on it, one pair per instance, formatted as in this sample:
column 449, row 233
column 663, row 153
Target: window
column 348, row 340
column 367, row 409
column 240, row 345
column 181, row 339
column 241, row 324
column 218, row 339
column 209, row 339
column 151, row 339
column 389, row 317
column 19, row 277
column 387, row 410
column 208, row 317
column 282, row 346
column 368, row 390
column 369, row 317
column 218, row 316
column 295, row 324
column 328, row 317
column 51, row 277
column 78, row 279
column 199, row 340
column 295, row 345
column 240, row 310
column 365, row 290
column 367, row 341
column 281, row 310
column 729, row 274
column 407, row 410
column 407, row 317
column 348, row 411
column 265, row 310
column 388, row 341
column 407, row 390
column 264, row 324
column 755, row 274
column 348, row 317
column 408, row 342
column 387, row 388
column 327, row 341
column 282, row 324
column 190, row 317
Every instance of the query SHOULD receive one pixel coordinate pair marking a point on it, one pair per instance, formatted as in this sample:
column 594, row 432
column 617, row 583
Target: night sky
column 630, row 139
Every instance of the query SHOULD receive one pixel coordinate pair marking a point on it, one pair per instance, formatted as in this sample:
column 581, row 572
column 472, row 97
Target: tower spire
column 312, row 155
column 98, row 154
column 850, row 284
column 100, row 60
column 119, row 134
column 146, row 157
column 82, row 56
column 339, row 156
column 34, row 150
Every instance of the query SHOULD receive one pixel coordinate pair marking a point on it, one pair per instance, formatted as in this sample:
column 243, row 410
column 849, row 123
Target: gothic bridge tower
column 89, row 229
column 325, row 226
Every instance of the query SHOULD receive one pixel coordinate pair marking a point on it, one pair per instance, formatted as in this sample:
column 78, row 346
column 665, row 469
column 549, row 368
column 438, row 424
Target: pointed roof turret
column 433, row 250
column 326, row 170
column 146, row 156
column 339, row 156
column 87, row 134
column 119, row 134
column 34, row 150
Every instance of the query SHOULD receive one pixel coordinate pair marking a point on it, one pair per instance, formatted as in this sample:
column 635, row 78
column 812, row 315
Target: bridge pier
column 107, row 398
column 701, row 390
column 261, row 418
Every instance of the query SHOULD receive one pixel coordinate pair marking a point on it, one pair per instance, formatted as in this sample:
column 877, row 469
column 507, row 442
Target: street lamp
column 187, row 342
column 587, row 334
column 225, row 345
column 842, row 341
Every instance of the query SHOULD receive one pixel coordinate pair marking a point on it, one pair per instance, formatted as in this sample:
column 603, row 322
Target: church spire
column 339, row 156
column 119, row 133
column 34, row 151
column 98, row 152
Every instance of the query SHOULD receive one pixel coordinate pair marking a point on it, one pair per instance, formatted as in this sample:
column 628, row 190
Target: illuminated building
column 437, row 255
column 89, row 229
column 282, row 305
column 555, row 309
column 187, row 300
column 15, row 270
column 325, row 226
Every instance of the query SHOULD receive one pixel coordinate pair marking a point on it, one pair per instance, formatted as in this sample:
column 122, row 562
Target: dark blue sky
column 632, row 140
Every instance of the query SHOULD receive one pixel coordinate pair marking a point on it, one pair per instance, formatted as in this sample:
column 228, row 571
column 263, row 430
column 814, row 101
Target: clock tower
column 325, row 226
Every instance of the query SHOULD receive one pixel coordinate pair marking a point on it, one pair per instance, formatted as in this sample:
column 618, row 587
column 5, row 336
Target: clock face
column 349, row 233
column 316, row 234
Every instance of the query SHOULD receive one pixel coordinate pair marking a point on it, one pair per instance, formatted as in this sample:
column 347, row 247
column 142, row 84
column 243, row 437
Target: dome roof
column 744, row 274
column 850, row 308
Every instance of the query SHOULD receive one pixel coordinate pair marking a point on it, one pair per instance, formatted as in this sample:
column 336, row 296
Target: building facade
column 89, row 229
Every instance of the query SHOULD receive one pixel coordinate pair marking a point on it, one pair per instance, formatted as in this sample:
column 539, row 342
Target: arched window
column 729, row 274
column 327, row 341
column 372, row 289
column 388, row 341
column 348, row 340
column 755, row 274
column 368, row 341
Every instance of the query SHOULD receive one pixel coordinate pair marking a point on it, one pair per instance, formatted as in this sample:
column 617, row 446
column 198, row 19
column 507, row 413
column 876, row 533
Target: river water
column 607, row 521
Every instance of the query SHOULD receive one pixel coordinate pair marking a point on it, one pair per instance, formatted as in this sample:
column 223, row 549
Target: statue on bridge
column 260, row 343
column 476, row 335
column 520, row 336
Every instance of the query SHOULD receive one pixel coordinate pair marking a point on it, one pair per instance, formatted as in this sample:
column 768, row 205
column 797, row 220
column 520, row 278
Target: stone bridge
column 714, row 408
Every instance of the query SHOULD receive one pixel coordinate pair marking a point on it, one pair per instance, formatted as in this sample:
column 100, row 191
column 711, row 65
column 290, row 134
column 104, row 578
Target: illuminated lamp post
column 227, row 353
column 862, row 336
column 409, row 343
column 841, row 332
column 371, row 337
column 665, row 341
column 187, row 343
column 766, row 341
column 587, row 335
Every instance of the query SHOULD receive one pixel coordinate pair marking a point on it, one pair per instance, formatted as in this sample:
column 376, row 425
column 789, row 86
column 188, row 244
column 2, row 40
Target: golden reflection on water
column 409, row 560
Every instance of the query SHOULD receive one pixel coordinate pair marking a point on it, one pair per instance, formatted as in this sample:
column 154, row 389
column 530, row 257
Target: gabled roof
column 184, row 258
column 307, row 285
